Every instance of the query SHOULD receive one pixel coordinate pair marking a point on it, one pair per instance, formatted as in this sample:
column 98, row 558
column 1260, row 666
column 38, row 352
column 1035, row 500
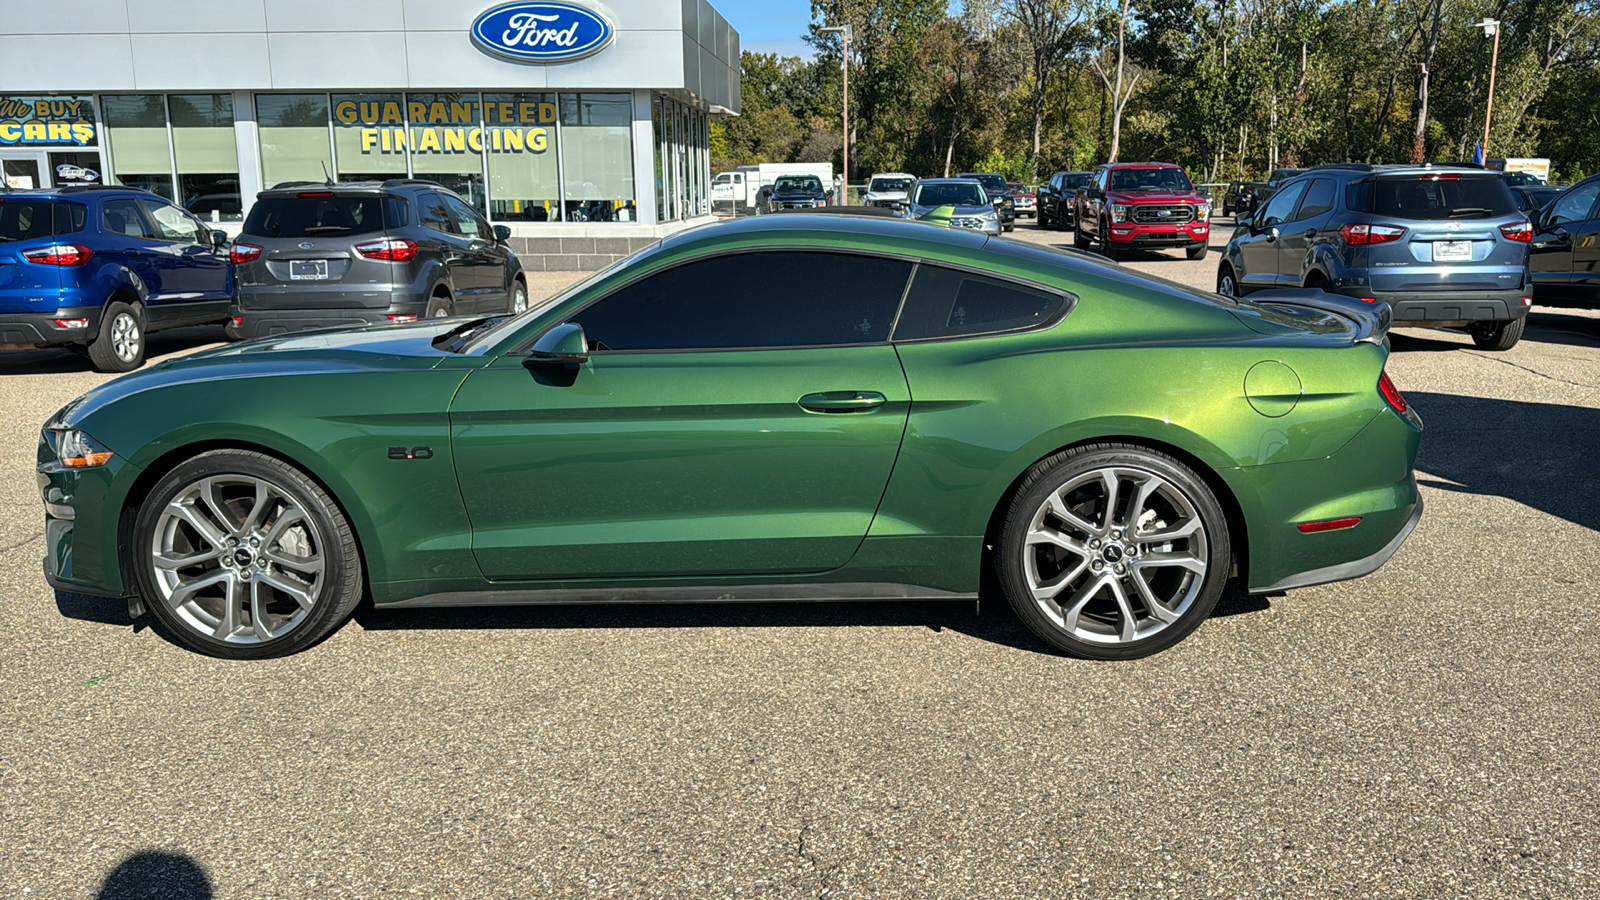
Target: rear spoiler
column 1372, row 319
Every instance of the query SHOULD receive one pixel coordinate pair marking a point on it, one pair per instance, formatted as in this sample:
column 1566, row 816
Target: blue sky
column 769, row 26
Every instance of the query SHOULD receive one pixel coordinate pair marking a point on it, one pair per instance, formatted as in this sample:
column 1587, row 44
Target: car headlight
column 76, row 450
column 1202, row 212
column 991, row 216
column 1119, row 212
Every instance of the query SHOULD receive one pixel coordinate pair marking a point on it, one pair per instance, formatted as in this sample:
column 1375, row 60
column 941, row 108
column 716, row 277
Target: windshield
column 1521, row 178
column 1075, row 180
column 1436, row 197
column 298, row 217
column 1168, row 179
column 890, row 184
column 994, row 184
column 950, row 193
column 810, row 184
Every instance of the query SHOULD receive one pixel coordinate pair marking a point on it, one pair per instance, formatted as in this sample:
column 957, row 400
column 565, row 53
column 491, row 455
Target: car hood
column 799, row 193
column 408, row 346
column 954, row 210
column 887, row 195
column 1152, row 197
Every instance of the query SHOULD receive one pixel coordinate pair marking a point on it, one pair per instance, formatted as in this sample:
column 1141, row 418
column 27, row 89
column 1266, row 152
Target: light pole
column 1490, row 27
column 845, row 32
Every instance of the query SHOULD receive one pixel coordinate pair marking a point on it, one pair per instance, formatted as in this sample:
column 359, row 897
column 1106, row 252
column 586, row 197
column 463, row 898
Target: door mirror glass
column 218, row 238
column 563, row 345
column 502, row 234
column 1244, row 220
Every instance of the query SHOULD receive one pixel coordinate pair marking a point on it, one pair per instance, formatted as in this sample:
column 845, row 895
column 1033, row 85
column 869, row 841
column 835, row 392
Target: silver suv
column 357, row 253
column 1443, row 245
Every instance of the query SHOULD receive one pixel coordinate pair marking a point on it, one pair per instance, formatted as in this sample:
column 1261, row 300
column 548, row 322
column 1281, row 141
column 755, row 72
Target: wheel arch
column 1232, row 511
column 154, row 470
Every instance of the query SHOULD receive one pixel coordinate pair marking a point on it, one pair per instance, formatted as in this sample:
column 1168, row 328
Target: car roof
column 78, row 189
column 892, row 175
column 1142, row 165
column 293, row 188
column 959, row 179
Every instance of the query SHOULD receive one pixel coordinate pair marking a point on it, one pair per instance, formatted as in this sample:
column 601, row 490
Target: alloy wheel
column 1225, row 285
column 519, row 299
column 237, row 559
column 1116, row 555
column 125, row 337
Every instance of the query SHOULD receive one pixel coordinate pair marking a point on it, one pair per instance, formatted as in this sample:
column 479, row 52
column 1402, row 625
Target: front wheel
column 1198, row 251
column 519, row 297
column 1112, row 551
column 1227, row 286
column 244, row 557
column 1079, row 240
column 1497, row 336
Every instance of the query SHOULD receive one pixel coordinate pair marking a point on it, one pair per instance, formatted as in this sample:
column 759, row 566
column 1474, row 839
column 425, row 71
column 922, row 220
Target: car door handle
column 842, row 401
column 133, row 251
column 1309, row 234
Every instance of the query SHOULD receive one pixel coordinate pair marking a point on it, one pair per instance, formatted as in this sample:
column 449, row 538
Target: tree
column 1049, row 28
column 1111, row 64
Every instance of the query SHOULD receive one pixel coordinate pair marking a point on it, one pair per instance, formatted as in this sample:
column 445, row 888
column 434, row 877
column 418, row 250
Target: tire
column 1078, row 240
column 1197, row 252
column 1043, row 222
column 1227, row 282
column 519, row 297
column 1071, row 572
column 1104, row 243
column 1498, row 336
column 120, row 344
column 440, row 307
column 259, row 585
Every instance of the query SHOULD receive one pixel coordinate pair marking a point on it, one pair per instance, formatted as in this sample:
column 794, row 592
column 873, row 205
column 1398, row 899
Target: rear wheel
column 1112, row 551
column 120, row 346
column 1497, row 335
column 440, row 306
column 244, row 557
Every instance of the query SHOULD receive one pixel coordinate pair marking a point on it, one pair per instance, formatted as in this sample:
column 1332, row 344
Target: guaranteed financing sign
column 542, row 32
column 387, row 127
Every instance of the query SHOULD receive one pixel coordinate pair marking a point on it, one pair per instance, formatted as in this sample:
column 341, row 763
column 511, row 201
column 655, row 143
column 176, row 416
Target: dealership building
column 582, row 125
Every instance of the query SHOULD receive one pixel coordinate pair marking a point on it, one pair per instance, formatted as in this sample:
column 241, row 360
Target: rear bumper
column 254, row 323
column 30, row 331
column 1450, row 307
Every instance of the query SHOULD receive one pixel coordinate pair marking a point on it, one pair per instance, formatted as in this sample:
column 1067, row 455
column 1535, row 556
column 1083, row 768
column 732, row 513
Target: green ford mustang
column 779, row 408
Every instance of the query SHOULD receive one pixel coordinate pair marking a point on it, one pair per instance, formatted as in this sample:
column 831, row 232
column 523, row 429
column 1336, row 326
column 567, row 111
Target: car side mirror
column 563, row 345
column 1244, row 220
column 218, row 238
column 501, row 234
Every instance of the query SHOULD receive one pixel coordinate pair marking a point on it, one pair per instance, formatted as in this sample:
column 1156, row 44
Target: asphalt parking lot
column 1428, row 731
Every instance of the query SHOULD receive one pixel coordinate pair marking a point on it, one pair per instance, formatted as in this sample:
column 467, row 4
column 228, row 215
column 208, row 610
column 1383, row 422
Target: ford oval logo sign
column 542, row 32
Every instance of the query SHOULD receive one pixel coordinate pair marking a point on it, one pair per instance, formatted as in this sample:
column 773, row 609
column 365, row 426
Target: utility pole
column 1490, row 27
column 846, row 32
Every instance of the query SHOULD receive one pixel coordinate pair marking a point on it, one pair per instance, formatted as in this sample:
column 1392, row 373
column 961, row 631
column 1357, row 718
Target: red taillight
column 59, row 255
column 1521, row 232
column 243, row 253
column 390, row 250
column 71, row 323
column 402, row 318
column 238, row 321
column 1527, row 301
column 1391, row 393
column 1357, row 234
column 315, row 194
column 1369, row 299
column 1329, row 525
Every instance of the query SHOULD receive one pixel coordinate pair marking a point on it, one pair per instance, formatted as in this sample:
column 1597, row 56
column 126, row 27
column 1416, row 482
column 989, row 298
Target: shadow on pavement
column 154, row 875
column 1539, row 454
column 61, row 361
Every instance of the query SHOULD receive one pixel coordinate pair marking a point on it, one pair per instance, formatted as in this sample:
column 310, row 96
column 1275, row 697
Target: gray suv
column 1443, row 245
column 356, row 253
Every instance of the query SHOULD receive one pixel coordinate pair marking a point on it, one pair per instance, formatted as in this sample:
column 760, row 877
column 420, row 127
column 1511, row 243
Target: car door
column 1305, row 228
column 738, row 414
column 202, row 271
column 1259, row 249
column 485, row 258
column 444, row 237
column 1552, row 258
column 1092, row 198
column 135, row 244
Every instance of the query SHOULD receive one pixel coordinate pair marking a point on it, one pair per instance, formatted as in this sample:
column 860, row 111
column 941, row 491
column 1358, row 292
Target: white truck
column 740, row 190
column 1537, row 166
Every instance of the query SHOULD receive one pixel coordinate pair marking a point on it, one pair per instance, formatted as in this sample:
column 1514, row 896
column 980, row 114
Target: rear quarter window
column 1428, row 197
column 299, row 217
column 949, row 303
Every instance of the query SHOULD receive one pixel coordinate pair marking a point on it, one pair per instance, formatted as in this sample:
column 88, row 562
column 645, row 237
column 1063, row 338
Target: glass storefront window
column 520, row 137
column 597, row 157
column 661, row 193
column 369, row 136
column 446, row 138
column 207, row 160
column 294, row 137
column 136, row 137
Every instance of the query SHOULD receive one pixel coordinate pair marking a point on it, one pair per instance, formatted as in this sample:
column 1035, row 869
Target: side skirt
column 756, row 593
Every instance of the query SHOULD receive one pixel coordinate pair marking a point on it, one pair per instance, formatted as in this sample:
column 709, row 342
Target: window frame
column 1069, row 301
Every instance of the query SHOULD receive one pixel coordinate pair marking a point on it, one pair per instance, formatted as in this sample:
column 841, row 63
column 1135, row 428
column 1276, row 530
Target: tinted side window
column 467, row 221
column 1277, row 211
column 71, row 217
column 947, row 303
column 173, row 225
column 1574, row 205
column 752, row 300
column 123, row 217
column 396, row 212
column 435, row 214
column 1319, row 198
column 26, row 220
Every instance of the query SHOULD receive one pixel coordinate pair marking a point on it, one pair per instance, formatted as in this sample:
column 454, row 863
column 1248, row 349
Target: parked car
column 315, row 255
column 888, row 189
column 598, row 449
column 1522, row 179
column 995, row 186
column 1443, row 245
column 964, row 199
column 1565, row 259
column 1141, row 206
column 1055, row 199
column 96, row 267
column 1275, row 180
column 795, row 192
column 1023, row 198
column 1241, row 196
column 1533, row 198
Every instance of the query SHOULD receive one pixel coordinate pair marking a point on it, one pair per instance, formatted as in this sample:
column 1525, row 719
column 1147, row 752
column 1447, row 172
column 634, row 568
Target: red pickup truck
column 1143, row 206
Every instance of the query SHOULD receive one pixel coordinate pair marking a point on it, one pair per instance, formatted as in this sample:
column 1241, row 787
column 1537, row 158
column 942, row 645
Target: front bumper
column 31, row 331
column 254, row 323
column 1129, row 234
column 88, row 565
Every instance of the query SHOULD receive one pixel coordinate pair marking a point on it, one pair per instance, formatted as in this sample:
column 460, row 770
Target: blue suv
column 96, row 267
column 1443, row 245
